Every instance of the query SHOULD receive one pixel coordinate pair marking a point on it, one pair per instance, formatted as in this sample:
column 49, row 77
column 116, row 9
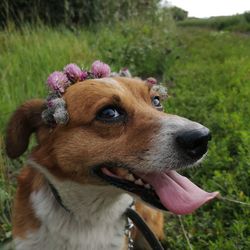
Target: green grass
column 208, row 74
column 237, row 23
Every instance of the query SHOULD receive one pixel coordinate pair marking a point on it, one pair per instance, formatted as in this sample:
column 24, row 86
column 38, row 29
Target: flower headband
column 59, row 81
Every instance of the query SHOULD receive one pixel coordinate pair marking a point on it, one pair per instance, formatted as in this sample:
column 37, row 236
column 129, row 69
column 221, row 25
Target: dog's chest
column 101, row 237
column 97, row 223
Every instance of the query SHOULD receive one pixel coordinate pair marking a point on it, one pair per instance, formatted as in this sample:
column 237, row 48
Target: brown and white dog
column 81, row 177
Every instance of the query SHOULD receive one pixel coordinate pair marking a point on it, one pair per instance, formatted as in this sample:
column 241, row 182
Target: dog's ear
column 25, row 120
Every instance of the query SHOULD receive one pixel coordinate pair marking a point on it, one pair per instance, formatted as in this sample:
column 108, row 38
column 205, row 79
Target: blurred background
column 199, row 49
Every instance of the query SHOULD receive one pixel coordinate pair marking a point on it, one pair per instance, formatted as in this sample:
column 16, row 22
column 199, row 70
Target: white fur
column 95, row 221
column 164, row 154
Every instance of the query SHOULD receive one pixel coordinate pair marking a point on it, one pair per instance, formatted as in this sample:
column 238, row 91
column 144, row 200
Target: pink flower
column 83, row 75
column 58, row 81
column 100, row 69
column 151, row 80
column 73, row 72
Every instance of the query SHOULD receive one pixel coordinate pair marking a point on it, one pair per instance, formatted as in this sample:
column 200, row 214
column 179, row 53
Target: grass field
column 208, row 75
column 236, row 23
column 211, row 75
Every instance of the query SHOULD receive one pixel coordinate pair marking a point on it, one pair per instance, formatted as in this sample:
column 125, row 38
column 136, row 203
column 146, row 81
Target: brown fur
column 25, row 121
column 24, row 219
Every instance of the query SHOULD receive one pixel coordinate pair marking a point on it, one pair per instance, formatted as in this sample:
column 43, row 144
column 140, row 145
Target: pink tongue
column 177, row 193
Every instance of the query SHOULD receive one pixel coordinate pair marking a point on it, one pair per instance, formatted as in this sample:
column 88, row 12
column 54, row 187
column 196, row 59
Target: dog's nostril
column 194, row 142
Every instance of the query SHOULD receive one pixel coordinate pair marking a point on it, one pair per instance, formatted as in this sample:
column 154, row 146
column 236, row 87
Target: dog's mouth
column 164, row 190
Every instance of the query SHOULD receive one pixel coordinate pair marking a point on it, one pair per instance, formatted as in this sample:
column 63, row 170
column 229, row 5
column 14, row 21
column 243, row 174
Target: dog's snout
column 194, row 142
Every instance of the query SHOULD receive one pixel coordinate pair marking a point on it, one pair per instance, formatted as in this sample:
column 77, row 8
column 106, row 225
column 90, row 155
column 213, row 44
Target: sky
column 207, row 8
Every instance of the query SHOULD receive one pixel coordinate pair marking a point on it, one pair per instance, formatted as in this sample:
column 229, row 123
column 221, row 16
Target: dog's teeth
column 139, row 182
column 147, row 186
column 130, row 177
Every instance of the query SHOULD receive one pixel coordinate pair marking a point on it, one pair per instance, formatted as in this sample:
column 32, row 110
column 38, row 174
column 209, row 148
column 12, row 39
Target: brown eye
column 110, row 114
column 156, row 101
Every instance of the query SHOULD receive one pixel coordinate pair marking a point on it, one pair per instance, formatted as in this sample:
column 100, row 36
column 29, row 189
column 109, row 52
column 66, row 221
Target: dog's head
column 116, row 136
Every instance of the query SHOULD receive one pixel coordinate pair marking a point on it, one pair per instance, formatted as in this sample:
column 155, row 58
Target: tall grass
column 237, row 23
column 28, row 56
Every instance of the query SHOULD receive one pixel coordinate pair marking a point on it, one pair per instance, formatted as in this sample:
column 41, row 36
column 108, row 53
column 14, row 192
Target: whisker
column 233, row 200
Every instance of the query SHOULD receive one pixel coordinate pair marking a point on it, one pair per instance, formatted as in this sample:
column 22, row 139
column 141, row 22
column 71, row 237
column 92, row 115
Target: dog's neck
column 89, row 202
column 90, row 211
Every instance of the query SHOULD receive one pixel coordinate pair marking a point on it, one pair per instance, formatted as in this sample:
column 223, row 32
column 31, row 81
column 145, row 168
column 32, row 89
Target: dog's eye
column 156, row 101
column 110, row 114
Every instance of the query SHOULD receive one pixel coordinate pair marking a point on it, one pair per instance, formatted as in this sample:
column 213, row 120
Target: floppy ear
column 25, row 120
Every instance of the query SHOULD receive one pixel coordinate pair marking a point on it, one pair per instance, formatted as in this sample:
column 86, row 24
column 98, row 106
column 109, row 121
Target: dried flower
column 100, row 69
column 61, row 116
column 58, row 81
column 53, row 95
column 55, row 103
column 161, row 90
column 47, row 116
column 125, row 72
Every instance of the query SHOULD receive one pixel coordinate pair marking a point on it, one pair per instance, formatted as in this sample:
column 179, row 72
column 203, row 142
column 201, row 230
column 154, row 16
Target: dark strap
column 57, row 197
column 144, row 229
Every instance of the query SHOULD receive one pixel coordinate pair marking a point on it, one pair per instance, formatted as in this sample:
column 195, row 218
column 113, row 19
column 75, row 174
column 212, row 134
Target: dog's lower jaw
column 95, row 219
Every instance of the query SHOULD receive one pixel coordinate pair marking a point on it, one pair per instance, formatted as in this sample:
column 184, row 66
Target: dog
column 80, row 177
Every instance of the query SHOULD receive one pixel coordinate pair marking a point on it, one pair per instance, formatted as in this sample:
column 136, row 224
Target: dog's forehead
column 105, row 88
column 110, row 83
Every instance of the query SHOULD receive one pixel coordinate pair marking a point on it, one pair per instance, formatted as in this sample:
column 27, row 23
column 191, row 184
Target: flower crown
column 59, row 81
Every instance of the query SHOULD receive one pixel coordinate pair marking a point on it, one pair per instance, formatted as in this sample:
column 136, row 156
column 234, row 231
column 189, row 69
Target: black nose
column 194, row 142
